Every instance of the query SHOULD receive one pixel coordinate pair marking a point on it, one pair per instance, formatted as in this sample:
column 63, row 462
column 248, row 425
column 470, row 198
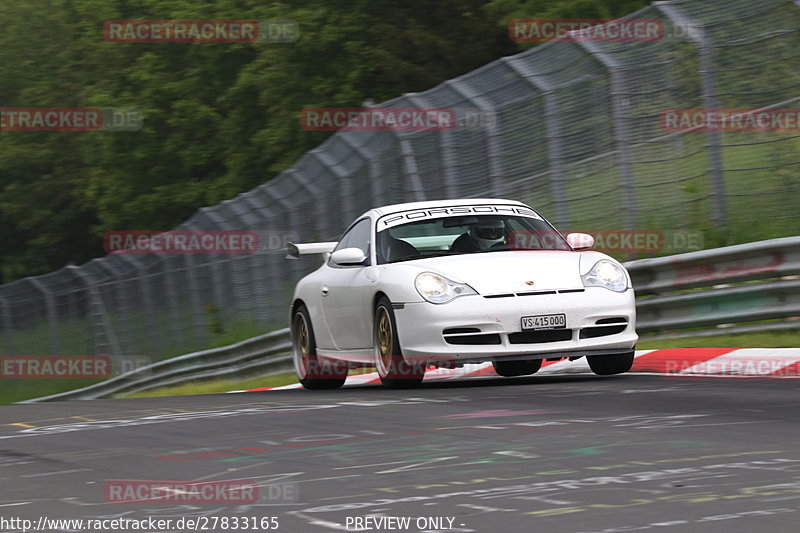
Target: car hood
column 510, row 272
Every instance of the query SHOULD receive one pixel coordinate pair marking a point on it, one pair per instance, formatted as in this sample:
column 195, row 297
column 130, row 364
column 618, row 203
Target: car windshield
column 465, row 234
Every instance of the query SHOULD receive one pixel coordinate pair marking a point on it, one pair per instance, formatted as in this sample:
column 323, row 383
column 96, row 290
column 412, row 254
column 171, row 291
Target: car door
column 345, row 291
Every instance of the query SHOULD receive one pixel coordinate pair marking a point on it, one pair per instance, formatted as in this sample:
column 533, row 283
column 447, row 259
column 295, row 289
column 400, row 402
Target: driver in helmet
column 482, row 235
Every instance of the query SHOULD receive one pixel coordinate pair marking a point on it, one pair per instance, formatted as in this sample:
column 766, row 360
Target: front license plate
column 544, row 321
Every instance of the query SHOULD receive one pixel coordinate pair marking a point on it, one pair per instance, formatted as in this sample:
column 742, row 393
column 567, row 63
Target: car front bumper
column 421, row 327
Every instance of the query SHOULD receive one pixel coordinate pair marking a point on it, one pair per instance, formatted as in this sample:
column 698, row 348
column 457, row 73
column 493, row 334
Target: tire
column 606, row 365
column 517, row 368
column 395, row 372
column 312, row 372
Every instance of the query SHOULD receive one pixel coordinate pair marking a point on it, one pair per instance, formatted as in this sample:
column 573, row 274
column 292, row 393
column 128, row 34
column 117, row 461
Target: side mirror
column 580, row 241
column 348, row 256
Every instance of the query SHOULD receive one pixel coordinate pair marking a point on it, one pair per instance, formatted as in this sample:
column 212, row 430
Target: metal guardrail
column 260, row 356
column 707, row 288
column 772, row 258
column 683, row 291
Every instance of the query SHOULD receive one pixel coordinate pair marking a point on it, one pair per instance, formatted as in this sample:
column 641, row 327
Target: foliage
column 219, row 119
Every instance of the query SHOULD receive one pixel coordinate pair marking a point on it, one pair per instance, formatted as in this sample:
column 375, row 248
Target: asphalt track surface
column 546, row 454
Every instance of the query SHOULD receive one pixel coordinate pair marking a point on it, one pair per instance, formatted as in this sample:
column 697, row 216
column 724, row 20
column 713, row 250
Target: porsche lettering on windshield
column 396, row 219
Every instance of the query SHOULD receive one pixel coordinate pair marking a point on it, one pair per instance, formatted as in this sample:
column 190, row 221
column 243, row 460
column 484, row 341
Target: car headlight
column 438, row 289
column 606, row 274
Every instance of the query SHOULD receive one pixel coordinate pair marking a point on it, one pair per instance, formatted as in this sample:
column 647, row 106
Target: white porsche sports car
column 444, row 283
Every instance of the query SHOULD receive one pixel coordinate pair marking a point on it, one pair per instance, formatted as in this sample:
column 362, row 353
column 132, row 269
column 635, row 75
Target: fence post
column 409, row 163
column 52, row 314
column 321, row 209
column 410, row 168
column 496, row 171
column 377, row 192
column 555, row 149
column 153, row 336
column 96, row 301
column 287, row 214
column 172, row 302
column 705, row 50
column 216, row 266
column 8, row 330
column 201, row 329
column 621, row 112
column 449, row 158
column 346, row 189
column 126, row 332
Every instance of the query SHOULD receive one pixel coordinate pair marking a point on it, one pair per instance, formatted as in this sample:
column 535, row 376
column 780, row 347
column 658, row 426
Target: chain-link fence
column 576, row 131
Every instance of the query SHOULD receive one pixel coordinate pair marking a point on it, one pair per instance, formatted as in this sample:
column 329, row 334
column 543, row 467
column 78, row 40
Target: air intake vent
column 538, row 337
column 535, row 293
column 456, row 331
column 591, row 333
column 613, row 320
column 470, row 340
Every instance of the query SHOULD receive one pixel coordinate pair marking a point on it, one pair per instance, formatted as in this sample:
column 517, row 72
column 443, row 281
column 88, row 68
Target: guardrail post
column 621, row 112
column 9, row 332
column 555, row 149
column 52, row 314
column 705, row 49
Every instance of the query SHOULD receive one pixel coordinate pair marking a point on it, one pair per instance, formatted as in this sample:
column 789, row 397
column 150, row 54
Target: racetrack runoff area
column 731, row 362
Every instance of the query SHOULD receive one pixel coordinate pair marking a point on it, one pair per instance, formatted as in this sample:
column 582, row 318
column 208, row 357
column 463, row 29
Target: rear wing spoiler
column 294, row 251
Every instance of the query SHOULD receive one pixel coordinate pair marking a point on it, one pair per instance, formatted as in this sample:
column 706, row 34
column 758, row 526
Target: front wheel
column 517, row 368
column 606, row 365
column 394, row 371
column 312, row 372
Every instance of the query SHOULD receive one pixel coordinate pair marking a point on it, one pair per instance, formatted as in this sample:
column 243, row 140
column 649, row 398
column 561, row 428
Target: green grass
column 216, row 386
column 15, row 390
column 767, row 339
